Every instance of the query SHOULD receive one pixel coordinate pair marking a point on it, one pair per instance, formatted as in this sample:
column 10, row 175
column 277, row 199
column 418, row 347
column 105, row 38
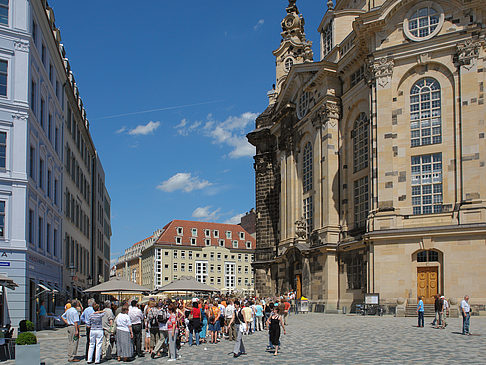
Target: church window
column 361, row 202
column 307, row 167
column 289, row 62
column 303, row 106
column 360, row 138
column 425, row 113
column 308, row 214
column 327, row 36
column 424, row 21
column 354, row 270
column 428, row 256
column 427, row 184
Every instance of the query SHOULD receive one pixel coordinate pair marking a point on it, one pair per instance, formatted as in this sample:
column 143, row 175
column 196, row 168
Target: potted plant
column 27, row 350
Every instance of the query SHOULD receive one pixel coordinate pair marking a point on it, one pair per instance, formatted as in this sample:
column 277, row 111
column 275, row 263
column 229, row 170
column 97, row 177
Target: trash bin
column 344, row 310
column 304, row 305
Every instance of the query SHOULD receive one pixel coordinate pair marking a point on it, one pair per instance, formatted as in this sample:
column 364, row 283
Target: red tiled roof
column 142, row 241
column 168, row 237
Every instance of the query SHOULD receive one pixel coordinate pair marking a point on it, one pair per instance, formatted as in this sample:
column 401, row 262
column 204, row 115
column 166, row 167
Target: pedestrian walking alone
column 240, row 324
column 274, row 323
column 466, row 315
column 420, row 312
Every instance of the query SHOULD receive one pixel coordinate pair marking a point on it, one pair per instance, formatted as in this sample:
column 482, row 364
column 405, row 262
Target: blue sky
column 171, row 88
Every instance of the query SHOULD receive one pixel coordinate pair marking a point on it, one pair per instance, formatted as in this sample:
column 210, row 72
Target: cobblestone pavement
column 324, row 339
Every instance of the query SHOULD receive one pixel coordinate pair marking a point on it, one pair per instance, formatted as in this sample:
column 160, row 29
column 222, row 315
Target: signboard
column 4, row 263
column 372, row 298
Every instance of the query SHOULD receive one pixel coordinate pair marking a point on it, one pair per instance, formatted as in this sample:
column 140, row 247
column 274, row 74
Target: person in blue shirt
column 84, row 319
column 42, row 315
column 420, row 312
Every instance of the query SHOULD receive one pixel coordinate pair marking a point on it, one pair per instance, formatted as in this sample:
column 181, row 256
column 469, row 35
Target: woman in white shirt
column 124, row 335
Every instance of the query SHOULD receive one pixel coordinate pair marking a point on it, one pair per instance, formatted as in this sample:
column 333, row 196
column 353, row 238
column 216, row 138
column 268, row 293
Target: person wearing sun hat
column 445, row 311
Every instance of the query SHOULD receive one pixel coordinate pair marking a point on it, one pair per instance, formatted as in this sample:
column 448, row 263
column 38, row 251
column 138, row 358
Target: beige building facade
column 216, row 254
column 369, row 162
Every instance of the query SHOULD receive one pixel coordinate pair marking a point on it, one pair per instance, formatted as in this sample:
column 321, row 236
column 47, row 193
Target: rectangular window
column 219, row 268
column 216, row 233
column 201, row 271
column 309, row 214
column 39, row 239
column 51, row 74
column 3, row 150
column 179, row 231
column 211, row 256
column 211, row 268
column 175, row 254
column 54, row 243
column 221, row 243
column 194, row 232
column 354, row 268
column 207, row 233
column 3, row 77
column 32, row 162
column 34, row 31
column 33, row 96
column 193, row 241
column 248, row 244
column 189, row 254
column 31, row 226
column 327, row 38
column 56, row 140
column 189, row 267
column 246, row 269
column 43, row 54
column 49, row 176
column 183, row 254
column 239, row 257
column 2, row 219
column 56, row 183
column 219, row 256
column 228, row 235
column 178, row 240
column 48, row 237
column 42, row 107
column 49, row 127
column 235, row 244
column 361, row 202
column 427, row 184
column 183, row 267
column 175, row 266
column 4, row 12
column 41, row 173
column 242, row 235
column 246, row 257
column 207, row 242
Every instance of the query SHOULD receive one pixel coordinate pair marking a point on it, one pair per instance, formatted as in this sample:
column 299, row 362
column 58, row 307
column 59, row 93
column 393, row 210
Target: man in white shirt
column 136, row 316
column 445, row 311
column 230, row 327
column 71, row 318
column 465, row 310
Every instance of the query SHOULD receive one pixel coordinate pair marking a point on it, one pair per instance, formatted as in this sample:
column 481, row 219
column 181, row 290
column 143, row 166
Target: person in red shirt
column 286, row 311
column 194, row 323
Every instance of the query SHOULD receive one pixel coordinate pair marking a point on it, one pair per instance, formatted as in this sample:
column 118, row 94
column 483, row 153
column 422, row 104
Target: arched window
column 428, row 256
column 360, row 136
column 307, row 168
column 424, row 22
column 425, row 112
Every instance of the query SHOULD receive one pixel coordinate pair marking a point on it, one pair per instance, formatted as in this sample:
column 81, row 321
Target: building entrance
column 427, row 283
column 298, row 286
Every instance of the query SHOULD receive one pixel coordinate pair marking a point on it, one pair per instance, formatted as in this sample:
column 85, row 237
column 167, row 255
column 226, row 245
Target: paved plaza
column 325, row 339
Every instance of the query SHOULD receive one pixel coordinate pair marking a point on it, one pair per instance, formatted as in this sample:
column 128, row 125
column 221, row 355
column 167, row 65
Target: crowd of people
column 161, row 327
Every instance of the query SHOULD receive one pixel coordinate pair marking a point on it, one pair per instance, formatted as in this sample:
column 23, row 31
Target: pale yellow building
column 369, row 162
column 216, row 254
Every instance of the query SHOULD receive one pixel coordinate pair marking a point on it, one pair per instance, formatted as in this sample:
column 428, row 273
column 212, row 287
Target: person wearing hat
column 445, row 311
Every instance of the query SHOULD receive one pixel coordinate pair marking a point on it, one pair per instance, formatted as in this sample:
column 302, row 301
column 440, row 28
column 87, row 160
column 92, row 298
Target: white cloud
column 235, row 220
column 143, row 130
column 183, row 181
column 205, row 213
column 121, row 130
column 259, row 24
column 231, row 132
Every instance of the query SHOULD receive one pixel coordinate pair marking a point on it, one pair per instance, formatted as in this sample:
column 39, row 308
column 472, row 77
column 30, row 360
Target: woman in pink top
column 172, row 329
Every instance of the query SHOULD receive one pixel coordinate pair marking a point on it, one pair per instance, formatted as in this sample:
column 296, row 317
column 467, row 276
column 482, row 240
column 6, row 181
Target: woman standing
column 124, row 335
column 172, row 328
column 194, row 323
column 204, row 324
column 95, row 322
column 274, row 323
column 214, row 326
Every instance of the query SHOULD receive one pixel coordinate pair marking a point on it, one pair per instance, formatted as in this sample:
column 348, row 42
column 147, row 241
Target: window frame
column 422, row 5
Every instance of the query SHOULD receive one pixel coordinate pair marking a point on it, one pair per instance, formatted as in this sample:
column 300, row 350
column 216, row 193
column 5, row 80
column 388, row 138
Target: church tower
column 294, row 47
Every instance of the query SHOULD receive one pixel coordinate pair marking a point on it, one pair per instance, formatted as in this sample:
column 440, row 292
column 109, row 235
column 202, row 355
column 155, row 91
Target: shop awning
column 6, row 281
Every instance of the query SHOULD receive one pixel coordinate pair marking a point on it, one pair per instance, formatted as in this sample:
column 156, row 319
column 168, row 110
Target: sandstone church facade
column 370, row 162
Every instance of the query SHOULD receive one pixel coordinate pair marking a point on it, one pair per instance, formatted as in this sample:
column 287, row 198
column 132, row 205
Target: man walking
column 420, row 312
column 238, row 321
column 445, row 311
column 230, row 328
column 84, row 319
column 107, row 322
column 465, row 310
column 136, row 316
column 71, row 319
column 438, row 307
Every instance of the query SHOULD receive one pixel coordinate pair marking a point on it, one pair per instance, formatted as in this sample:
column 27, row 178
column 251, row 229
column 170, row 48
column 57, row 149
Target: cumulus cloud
column 121, row 130
column 206, row 214
column 143, row 130
column 231, row 132
column 235, row 220
column 183, row 181
column 259, row 24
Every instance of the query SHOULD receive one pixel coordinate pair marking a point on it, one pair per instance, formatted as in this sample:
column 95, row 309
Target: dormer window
column 180, row 231
column 248, row 244
column 242, row 235
column 207, row 233
column 216, row 233
column 194, row 232
column 178, row 240
column 228, row 235
column 193, row 241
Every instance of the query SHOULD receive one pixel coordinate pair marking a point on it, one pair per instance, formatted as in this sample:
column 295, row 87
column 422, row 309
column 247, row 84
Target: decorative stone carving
column 382, row 70
column 21, row 45
column 467, row 53
column 301, row 228
column 19, row 116
column 423, row 58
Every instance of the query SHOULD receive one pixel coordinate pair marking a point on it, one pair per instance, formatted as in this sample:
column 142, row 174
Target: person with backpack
column 153, row 324
column 240, row 325
column 162, row 343
column 214, row 326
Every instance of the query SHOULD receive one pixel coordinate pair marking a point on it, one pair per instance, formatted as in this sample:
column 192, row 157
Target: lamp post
column 72, row 274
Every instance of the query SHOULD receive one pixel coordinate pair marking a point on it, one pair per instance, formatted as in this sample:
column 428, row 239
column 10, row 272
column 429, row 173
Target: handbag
column 242, row 327
column 112, row 329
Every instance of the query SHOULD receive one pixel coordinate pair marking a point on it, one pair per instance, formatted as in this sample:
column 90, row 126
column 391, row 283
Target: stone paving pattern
column 324, row 339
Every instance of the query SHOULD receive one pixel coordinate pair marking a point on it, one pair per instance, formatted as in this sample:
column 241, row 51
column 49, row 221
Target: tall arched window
column 360, row 135
column 307, row 168
column 425, row 112
column 307, row 173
